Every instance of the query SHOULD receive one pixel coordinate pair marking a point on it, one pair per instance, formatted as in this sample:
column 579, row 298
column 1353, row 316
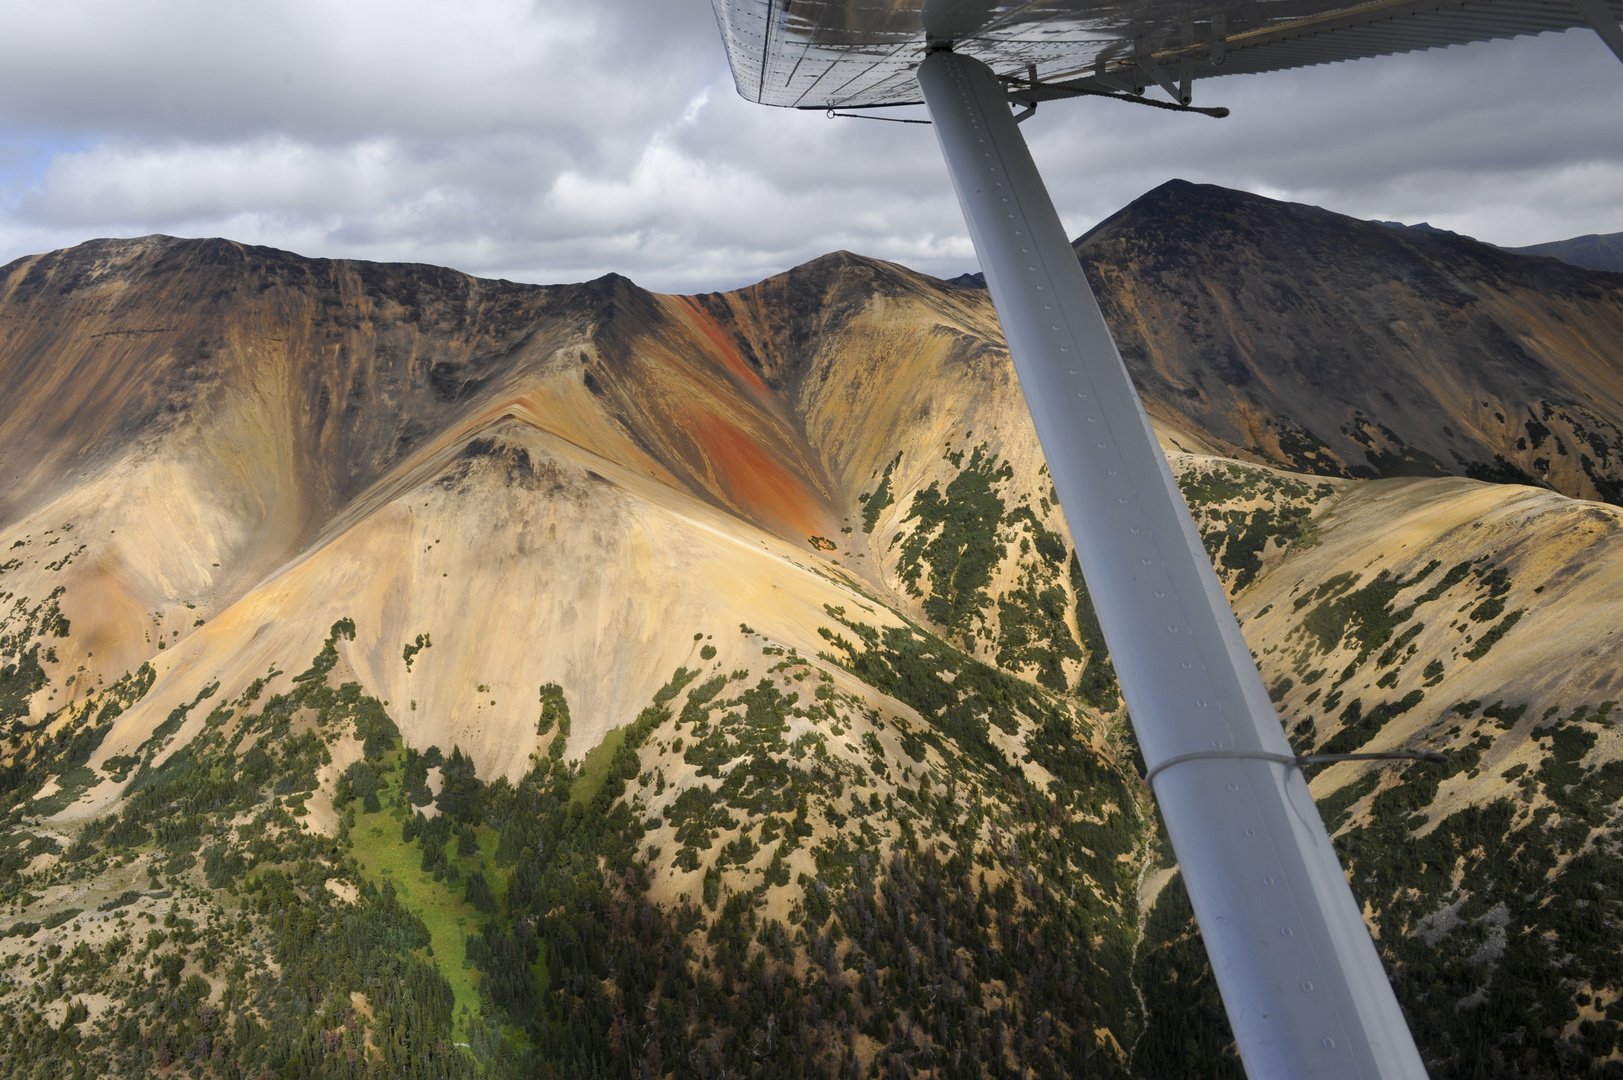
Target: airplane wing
column 838, row 54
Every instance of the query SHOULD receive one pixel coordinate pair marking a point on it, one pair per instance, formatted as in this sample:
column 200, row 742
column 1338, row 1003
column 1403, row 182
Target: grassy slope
column 382, row 856
column 594, row 767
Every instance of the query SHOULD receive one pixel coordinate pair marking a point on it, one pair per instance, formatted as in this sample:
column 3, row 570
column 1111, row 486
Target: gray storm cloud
column 552, row 141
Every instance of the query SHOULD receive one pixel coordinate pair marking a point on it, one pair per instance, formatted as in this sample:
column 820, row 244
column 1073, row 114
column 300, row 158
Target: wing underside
column 855, row 53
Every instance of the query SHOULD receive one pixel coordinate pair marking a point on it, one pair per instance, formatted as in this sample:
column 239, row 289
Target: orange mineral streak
column 724, row 344
column 752, row 480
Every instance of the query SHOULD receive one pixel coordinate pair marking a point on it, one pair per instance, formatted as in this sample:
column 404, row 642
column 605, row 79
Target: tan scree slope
column 566, row 484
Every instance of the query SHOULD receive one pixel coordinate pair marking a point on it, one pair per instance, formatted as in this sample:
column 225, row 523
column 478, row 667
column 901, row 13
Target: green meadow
column 383, row 856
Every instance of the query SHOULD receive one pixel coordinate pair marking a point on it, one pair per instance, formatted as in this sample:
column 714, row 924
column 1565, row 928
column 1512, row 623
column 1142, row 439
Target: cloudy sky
column 555, row 140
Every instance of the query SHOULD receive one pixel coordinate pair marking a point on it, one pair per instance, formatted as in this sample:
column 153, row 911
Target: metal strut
column 1304, row 989
column 1597, row 15
column 1034, row 92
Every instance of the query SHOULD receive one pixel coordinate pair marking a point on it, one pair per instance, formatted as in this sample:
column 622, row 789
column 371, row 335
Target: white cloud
column 553, row 141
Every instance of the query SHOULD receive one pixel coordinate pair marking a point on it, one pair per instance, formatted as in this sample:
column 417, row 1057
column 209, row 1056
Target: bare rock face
column 714, row 673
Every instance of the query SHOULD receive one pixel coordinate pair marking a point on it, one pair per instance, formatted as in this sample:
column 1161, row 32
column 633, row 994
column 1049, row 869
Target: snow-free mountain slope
column 1346, row 347
column 410, row 673
column 1596, row 251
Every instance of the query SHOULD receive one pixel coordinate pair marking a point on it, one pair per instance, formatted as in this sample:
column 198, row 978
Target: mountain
column 1342, row 347
column 1595, row 251
column 1423, row 226
column 409, row 673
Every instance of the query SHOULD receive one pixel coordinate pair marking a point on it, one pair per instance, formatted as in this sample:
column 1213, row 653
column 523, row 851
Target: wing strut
column 1304, row 989
column 1597, row 15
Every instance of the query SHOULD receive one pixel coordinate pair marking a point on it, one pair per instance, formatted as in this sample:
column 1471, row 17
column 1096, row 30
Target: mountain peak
column 1286, row 330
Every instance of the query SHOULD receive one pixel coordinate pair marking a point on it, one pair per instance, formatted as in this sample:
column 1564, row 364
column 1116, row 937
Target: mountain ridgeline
column 406, row 674
column 1596, row 251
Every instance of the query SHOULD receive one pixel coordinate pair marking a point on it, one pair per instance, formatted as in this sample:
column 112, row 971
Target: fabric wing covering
column 855, row 53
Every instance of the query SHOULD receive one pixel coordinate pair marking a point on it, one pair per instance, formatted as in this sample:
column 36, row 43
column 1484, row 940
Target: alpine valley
column 407, row 674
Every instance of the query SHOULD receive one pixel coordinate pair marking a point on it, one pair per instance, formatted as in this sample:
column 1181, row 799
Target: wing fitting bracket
column 1029, row 92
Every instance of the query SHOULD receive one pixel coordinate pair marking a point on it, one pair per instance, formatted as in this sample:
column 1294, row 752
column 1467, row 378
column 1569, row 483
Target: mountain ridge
column 1504, row 338
column 714, row 673
column 1593, row 251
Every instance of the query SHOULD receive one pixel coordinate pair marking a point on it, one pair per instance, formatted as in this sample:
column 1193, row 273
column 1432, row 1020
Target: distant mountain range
column 413, row 674
column 1597, row 251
